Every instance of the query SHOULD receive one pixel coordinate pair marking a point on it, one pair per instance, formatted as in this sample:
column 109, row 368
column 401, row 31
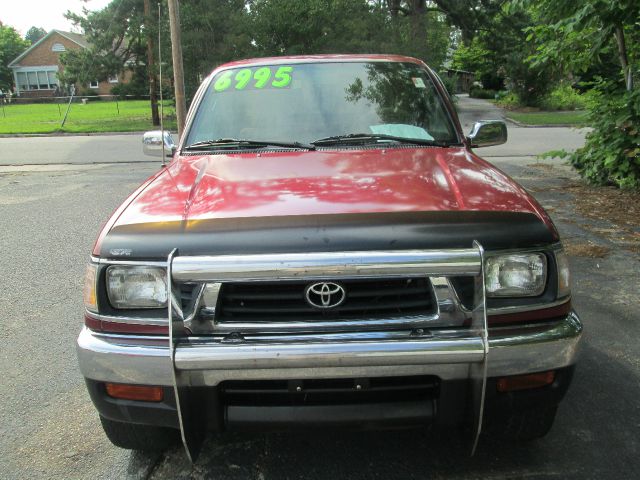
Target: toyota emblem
column 325, row 295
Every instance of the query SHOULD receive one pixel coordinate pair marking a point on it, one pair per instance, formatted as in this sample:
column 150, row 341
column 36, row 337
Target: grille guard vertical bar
column 478, row 371
column 192, row 431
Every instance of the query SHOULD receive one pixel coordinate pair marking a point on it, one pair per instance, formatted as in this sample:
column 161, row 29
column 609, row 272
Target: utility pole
column 178, row 71
column 153, row 83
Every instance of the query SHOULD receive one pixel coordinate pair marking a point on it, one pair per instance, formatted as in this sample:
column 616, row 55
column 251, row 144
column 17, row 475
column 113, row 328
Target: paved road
column 81, row 149
column 49, row 216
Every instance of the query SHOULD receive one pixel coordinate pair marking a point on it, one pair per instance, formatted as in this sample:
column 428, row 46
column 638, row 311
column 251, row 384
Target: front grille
column 365, row 299
column 465, row 289
column 186, row 295
column 329, row 391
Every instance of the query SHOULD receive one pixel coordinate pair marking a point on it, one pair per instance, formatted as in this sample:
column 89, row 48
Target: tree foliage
column 34, row 34
column 578, row 34
column 591, row 35
column 292, row 27
column 115, row 35
column 11, row 45
column 213, row 32
column 331, row 26
column 498, row 51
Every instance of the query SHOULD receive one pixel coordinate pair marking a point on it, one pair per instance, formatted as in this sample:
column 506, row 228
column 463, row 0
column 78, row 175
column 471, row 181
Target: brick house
column 35, row 71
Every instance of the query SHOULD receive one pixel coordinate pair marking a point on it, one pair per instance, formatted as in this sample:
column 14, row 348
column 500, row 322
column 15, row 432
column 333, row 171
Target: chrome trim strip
column 325, row 265
column 430, row 321
column 528, row 308
column 509, row 251
column 108, row 261
column 231, row 356
column 134, row 320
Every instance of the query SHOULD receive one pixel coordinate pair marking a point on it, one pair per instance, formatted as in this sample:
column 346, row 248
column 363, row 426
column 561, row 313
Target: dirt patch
column 607, row 212
column 615, row 215
column 621, row 208
column 585, row 249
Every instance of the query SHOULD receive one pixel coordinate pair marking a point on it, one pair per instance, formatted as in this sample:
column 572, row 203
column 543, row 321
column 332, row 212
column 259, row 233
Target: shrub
column 611, row 154
column 477, row 92
column 564, row 97
column 133, row 89
column 509, row 100
column 87, row 92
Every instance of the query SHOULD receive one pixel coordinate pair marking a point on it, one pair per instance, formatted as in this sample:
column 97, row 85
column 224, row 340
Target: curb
column 66, row 134
column 555, row 125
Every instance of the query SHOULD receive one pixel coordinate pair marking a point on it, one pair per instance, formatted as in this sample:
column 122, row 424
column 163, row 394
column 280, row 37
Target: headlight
column 137, row 287
column 517, row 275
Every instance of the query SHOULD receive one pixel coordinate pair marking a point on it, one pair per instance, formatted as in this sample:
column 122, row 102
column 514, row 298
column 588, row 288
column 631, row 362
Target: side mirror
column 487, row 133
column 152, row 143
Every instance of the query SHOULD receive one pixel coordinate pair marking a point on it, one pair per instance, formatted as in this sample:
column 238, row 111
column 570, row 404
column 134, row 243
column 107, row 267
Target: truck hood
column 326, row 182
column 269, row 187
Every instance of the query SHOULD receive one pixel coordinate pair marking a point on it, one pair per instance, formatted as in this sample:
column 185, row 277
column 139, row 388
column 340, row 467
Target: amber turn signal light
column 525, row 382
column 134, row 392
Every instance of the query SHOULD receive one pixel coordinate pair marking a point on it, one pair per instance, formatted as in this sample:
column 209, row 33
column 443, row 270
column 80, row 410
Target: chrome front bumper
column 446, row 353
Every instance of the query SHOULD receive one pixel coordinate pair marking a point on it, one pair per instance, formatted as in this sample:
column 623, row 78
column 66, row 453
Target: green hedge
column 477, row 92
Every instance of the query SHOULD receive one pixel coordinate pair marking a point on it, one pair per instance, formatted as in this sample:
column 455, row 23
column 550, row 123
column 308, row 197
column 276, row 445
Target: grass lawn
column 578, row 118
column 95, row 116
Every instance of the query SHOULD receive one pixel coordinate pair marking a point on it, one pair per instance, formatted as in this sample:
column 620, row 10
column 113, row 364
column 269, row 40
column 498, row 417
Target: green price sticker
column 223, row 82
column 246, row 78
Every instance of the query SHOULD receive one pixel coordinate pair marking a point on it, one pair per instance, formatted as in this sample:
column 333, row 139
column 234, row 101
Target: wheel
column 524, row 425
column 139, row 437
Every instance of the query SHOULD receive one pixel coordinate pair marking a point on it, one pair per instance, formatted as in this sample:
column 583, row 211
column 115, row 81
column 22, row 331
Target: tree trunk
column 624, row 59
column 418, row 28
column 394, row 7
column 153, row 79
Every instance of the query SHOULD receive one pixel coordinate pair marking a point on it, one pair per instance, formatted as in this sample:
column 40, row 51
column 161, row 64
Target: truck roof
column 324, row 58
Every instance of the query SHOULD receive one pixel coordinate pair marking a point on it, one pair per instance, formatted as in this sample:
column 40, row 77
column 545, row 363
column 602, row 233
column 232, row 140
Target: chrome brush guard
column 262, row 358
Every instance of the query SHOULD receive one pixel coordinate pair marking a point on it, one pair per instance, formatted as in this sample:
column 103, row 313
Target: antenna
column 160, row 83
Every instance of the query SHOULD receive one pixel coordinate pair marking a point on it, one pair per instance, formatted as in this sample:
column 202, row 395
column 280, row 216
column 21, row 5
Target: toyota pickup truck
column 325, row 249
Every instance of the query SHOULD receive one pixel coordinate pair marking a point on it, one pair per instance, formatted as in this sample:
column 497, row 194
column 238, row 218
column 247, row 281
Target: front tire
column 145, row 438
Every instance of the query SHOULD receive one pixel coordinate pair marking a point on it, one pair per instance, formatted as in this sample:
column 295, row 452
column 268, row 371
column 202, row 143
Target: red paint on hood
column 327, row 182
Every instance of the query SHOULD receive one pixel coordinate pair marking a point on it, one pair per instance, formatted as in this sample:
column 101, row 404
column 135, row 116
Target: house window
column 113, row 78
column 93, row 84
column 53, row 80
column 32, row 79
column 22, row 81
column 43, row 81
column 58, row 47
column 37, row 80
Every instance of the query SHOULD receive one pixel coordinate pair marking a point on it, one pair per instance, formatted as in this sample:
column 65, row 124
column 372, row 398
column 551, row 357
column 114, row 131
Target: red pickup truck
column 325, row 249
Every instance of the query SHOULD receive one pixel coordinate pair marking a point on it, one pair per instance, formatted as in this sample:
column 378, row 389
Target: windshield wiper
column 235, row 143
column 364, row 138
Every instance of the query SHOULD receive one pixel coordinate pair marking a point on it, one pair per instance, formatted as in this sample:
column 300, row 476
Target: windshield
column 314, row 101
